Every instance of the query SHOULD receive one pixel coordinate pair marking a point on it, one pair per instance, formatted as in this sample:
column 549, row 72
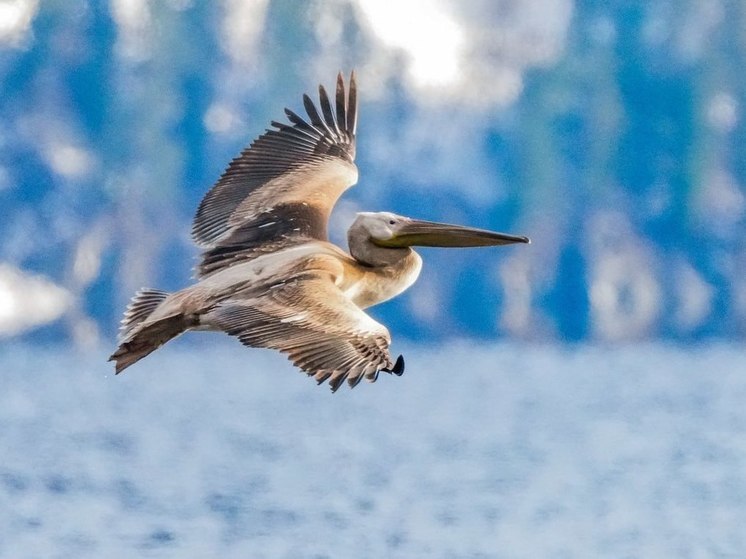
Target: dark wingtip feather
column 341, row 103
column 352, row 106
column 313, row 114
column 326, row 110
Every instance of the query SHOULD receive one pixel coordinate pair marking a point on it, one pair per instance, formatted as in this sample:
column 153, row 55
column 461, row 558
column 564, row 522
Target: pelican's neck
column 370, row 254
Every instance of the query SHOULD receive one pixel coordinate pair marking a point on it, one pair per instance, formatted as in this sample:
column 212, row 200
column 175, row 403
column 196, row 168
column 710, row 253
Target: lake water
column 478, row 451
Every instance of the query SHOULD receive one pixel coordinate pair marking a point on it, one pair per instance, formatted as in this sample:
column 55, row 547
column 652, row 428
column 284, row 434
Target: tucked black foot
column 398, row 369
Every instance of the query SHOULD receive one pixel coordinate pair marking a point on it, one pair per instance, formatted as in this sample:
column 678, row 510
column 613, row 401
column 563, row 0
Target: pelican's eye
column 392, row 222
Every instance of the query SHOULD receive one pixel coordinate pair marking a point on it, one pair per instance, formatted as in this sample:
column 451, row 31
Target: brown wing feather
column 282, row 188
column 309, row 319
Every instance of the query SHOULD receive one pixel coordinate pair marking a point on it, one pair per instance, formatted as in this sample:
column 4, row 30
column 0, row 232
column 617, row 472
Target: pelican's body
column 363, row 285
column 268, row 274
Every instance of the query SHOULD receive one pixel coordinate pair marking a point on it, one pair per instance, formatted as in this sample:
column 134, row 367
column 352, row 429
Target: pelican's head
column 389, row 230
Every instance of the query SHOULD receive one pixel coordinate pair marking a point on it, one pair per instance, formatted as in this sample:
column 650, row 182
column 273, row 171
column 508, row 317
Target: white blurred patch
column 15, row 20
column 722, row 112
column 243, row 25
column 59, row 141
column 426, row 32
column 68, row 160
column 693, row 297
column 625, row 294
column 87, row 261
column 720, row 202
column 523, row 275
column 699, row 24
column 221, row 119
column 516, row 278
column 28, row 300
column 133, row 20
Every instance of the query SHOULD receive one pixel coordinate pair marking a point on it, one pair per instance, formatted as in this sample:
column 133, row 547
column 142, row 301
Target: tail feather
column 130, row 353
column 138, row 338
column 141, row 307
column 147, row 340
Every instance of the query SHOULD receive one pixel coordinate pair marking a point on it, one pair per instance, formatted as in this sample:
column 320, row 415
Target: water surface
column 476, row 452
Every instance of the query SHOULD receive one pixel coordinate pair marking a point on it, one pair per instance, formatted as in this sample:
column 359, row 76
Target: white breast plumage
column 378, row 285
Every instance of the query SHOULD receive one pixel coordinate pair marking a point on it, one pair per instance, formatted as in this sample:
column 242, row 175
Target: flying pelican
column 269, row 276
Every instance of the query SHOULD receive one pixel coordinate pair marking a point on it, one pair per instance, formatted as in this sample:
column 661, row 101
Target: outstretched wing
column 308, row 318
column 282, row 188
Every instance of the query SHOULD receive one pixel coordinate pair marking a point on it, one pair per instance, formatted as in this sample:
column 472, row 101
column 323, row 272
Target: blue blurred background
column 611, row 133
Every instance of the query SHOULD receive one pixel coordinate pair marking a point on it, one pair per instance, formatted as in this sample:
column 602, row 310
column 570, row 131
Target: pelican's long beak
column 432, row 234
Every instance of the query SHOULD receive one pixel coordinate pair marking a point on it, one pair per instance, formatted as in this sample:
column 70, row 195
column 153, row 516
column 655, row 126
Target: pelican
column 269, row 276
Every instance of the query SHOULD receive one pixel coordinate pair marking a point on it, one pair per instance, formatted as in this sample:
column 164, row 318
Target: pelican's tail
column 138, row 336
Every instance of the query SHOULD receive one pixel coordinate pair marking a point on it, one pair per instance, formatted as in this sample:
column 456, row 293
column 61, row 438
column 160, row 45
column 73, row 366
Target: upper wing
column 308, row 318
column 282, row 188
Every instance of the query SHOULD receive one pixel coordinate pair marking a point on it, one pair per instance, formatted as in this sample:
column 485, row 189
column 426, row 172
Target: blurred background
column 612, row 134
column 582, row 396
